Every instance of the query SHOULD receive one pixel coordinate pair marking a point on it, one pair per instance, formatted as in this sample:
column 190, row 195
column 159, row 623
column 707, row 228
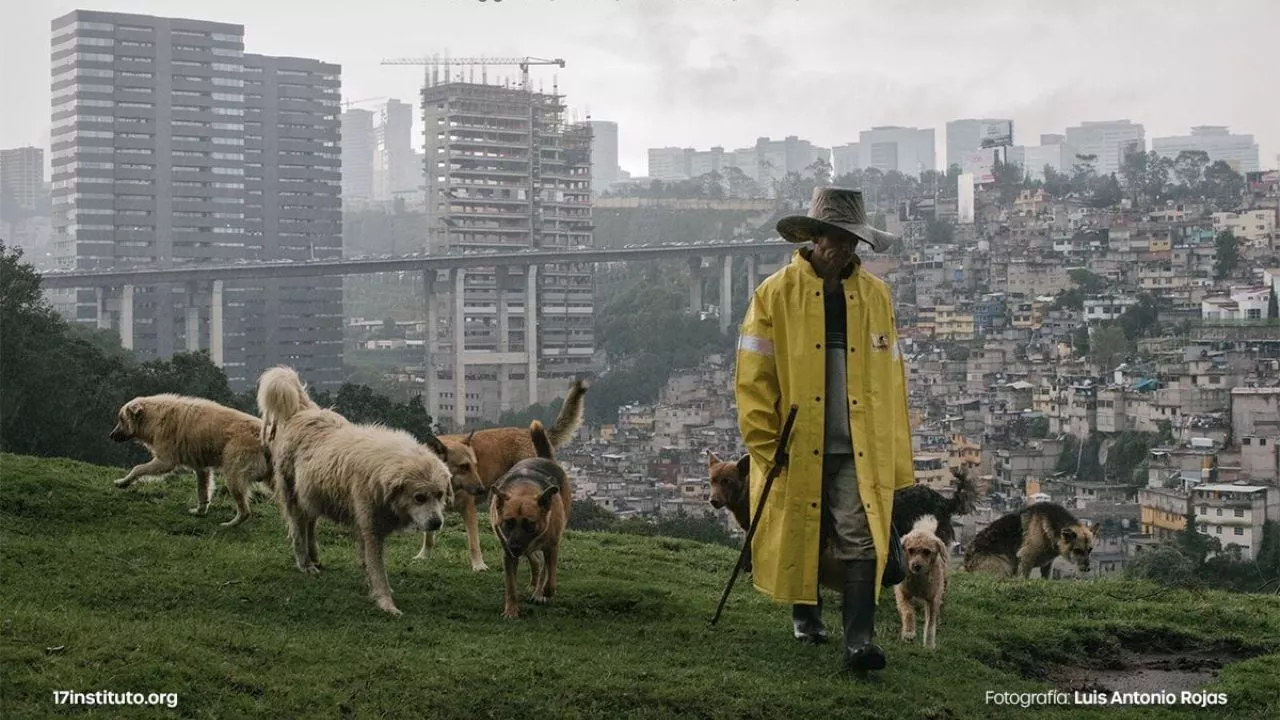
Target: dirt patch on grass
column 1144, row 660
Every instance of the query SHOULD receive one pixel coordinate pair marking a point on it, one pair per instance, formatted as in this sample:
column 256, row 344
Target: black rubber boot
column 859, row 613
column 806, row 623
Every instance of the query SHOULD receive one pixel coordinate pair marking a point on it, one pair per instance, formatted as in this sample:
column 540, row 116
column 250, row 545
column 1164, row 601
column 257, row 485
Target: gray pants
column 844, row 520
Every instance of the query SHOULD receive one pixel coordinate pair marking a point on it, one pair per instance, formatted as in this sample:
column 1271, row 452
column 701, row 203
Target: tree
column 1188, row 168
column 1106, row 192
column 938, row 232
column 1039, row 427
column 740, row 184
column 1228, row 255
column 1009, row 179
column 1084, row 174
column 1081, row 340
column 1089, row 282
column 1109, row 346
column 821, row 171
column 1057, row 184
column 1223, row 186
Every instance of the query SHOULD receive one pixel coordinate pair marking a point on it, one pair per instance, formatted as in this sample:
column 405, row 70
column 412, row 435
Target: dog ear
column 1068, row 534
column 133, row 409
column 544, row 500
column 712, row 458
column 499, row 499
column 437, row 446
column 467, row 441
column 744, row 467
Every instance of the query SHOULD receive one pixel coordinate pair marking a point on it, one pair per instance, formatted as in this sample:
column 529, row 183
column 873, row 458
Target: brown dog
column 479, row 459
column 1031, row 538
column 201, row 435
column 528, row 511
column 926, row 580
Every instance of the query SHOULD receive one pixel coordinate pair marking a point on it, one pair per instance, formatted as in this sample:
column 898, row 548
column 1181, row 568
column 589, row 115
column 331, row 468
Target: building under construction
column 504, row 171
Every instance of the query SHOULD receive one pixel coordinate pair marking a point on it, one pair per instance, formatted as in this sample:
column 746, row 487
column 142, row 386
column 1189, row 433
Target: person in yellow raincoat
column 821, row 333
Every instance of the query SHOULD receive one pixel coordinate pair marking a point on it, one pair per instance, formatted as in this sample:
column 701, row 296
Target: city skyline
column 700, row 76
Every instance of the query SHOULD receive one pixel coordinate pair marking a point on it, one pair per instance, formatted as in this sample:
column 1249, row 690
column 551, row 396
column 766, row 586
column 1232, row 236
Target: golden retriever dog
column 528, row 511
column 370, row 478
column 479, row 459
column 926, row 580
column 200, row 435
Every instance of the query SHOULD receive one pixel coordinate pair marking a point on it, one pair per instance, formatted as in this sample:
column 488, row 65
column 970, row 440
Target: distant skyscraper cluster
column 378, row 159
column 171, row 146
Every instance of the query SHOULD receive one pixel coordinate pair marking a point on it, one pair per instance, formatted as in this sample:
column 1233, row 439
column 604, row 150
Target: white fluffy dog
column 371, row 478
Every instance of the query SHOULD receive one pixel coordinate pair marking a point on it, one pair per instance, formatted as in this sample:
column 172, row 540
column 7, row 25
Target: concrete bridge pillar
column 104, row 314
column 531, row 331
column 192, row 318
column 751, row 275
column 504, row 339
column 430, row 393
column 459, row 351
column 695, row 285
column 726, row 294
column 126, row 317
column 215, row 324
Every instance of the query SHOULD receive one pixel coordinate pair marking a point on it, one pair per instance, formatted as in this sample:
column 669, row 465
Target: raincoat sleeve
column 904, row 473
column 756, row 384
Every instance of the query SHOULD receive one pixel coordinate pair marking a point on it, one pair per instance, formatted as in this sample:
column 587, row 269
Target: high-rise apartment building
column 1238, row 151
column 21, row 180
column 845, row 158
column 504, row 171
column 396, row 172
column 152, row 153
column 293, row 211
column 358, row 143
column 1109, row 141
column 604, row 154
column 910, row 151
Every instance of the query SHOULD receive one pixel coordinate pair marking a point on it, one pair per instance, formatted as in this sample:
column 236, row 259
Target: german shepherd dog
column 528, row 511
column 199, row 434
column 1031, row 538
column 729, row 490
column 479, row 459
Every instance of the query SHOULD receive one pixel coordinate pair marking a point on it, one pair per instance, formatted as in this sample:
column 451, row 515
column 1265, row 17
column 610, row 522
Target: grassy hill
column 104, row 589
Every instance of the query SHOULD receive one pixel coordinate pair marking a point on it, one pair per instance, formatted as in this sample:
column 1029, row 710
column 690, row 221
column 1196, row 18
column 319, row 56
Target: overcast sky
column 698, row 73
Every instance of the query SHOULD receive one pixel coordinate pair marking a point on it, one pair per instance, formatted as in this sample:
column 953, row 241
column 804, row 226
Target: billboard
column 981, row 165
column 964, row 195
column 995, row 134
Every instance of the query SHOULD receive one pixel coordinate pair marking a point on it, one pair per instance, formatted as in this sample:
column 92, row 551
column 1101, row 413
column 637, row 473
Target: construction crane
column 346, row 104
column 437, row 62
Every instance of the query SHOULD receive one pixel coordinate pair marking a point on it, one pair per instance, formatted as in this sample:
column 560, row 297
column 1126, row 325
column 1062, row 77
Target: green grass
column 142, row 597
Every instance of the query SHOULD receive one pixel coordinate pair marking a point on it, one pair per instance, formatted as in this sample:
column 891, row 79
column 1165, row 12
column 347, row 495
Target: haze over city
column 724, row 73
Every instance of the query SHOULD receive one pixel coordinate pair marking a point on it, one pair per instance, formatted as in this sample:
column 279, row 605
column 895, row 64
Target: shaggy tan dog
column 529, row 512
column 373, row 479
column 200, row 435
column 926, row 580
column 479, row 459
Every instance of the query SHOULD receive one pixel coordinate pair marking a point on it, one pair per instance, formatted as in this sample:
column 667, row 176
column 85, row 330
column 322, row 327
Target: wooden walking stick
column 780, row 458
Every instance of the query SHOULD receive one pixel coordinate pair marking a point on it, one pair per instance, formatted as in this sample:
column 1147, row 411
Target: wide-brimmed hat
column 837, row 211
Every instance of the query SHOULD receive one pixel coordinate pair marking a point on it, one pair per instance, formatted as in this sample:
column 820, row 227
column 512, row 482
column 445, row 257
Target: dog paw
column 310, row 569
column 478, row 566
column 199, row 511
column 123, row 482
column 422, row 555
column 385, row 605
column 510, row 613
column 232, row 522
column 908, row 637
column 539, row 598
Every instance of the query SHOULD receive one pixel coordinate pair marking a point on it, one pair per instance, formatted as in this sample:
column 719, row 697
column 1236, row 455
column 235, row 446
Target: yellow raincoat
column 781, row 361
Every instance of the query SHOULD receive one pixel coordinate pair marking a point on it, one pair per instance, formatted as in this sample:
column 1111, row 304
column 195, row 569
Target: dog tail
column 965, row 497
column 571, row 414
column 541, row 442
column 927, row 523
column 281, row 395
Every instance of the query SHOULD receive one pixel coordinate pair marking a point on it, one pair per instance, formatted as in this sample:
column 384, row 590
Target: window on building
column 1239, row 512
column 1239, row 531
